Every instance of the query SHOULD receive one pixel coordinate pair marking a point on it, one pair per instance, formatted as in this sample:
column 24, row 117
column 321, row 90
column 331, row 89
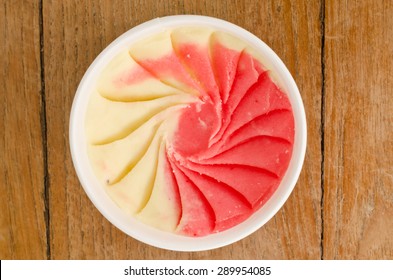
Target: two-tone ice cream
column 188, row 132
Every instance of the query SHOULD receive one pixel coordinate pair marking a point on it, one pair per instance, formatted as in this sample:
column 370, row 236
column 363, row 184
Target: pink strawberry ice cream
column 188, row 132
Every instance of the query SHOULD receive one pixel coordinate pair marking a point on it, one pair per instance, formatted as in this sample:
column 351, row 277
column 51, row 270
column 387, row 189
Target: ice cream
column 188, row 132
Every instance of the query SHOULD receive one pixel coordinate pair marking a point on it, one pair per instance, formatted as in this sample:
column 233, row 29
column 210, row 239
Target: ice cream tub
column 188, row 133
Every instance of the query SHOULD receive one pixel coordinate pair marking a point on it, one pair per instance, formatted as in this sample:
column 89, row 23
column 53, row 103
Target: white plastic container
column 132, row 226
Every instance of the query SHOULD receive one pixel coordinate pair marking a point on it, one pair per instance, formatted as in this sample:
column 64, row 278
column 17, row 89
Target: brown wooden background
column 340, row 54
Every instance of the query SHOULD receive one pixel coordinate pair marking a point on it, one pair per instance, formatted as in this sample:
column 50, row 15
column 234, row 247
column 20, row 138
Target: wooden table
column 340, row 54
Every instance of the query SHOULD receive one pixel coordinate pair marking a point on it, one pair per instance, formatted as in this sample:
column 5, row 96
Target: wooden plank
column 75, row 32
column 358, row 201
column 22, row 222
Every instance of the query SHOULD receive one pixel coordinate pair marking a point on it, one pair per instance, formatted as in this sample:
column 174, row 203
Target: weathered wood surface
column 340, row 58
column 22, row 171
column 358, row 181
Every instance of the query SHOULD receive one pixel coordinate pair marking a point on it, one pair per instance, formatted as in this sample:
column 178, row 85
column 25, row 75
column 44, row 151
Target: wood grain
column 75, row 33
column 358, row 200
column 22, row 219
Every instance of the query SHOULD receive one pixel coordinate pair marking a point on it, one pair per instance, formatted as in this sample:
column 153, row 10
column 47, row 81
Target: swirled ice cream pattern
column 188, row 132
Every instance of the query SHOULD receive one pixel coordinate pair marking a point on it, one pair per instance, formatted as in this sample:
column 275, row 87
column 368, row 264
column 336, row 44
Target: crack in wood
column 322, row 131
column 44, row 133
